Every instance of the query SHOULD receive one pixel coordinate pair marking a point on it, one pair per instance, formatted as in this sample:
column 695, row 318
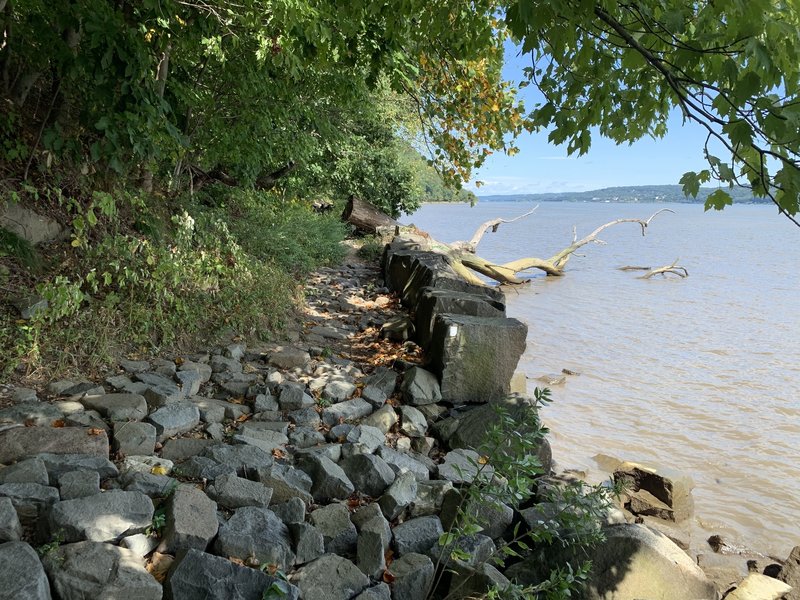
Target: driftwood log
column 365, row 216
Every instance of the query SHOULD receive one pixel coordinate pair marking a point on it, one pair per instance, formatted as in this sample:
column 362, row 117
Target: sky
column 541, row 167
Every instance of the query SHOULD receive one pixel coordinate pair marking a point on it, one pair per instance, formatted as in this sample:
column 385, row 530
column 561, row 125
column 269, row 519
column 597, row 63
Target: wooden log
column 366, row 216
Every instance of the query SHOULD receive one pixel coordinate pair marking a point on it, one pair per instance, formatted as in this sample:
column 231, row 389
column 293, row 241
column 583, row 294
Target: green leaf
column 718, row 199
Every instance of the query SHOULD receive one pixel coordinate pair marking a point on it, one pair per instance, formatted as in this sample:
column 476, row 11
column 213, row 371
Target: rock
column 330, row 577
column 309, row 544
column 331, row 451
column 430, row 495
column 22, row 394
column 365, row 439
column 39, row 414
column 423, row 445
column 413, row 577
column 403, row 463
column 195, row 575
column 87, row 418
column 261, row 435
column 383, row 379
column 493, row 517
column 134, row 438
column 191, row 521
column 216, row 411
column 28, row 224
column 264, row 402
column 291, row 511
column 293, row 396
column 222, row 364
column 154, row 486
column 654, row 568
column 79, row 484
column 10, row 527
column 21, row 442
column 84, row 388
column 21, row 573
column 286, row 483
column 105, row 517
column 398, row 329
column 374, row 537
column 433, row 302
column 97, row 570
column 417, row 535
column 475, row 357
column 472, row 551
column 306, row 417
column 420, row 387
column 134, row 366
column 289, row 358
column 139, row 543
column 232, row 491
column 376, row 592
column 333, row 522
column 216, row 431
column 174, row 419
column 235, row 351
column 119, row 382
column 30, row 306
column 305, row 437
column 369, row 473
column 673, row 490
column 464, row 466
column 243, row 459
column 180, row 449
column 338, row 390
column 475, row 582
column 58, row 464
column 146, row 464
column 790, row 573
column 348, row 410
column 31, row 470
column 399, row 495
column 118, row 407
column 374, row 396
column 202, row 370
column 759, row 587
column 30, row 500
column 383, row 418
column 190, row 382
column 329, row 480
column 413, row 422
column 256, row 533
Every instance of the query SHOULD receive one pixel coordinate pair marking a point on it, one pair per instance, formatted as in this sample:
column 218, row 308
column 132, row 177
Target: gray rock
column 203, row 370
column 493, row 517
column 374, row 396
column 134, row 438
column 30, row 306
column 293, row 396
column 348, row 410
column 158, row 396
column 403, row 463
column 413, row 422
column 306, row 417
column 374, row 537
column 338, row 390
column 433, row 302
column 119, row 382
column 463, row 466
column 86, row 418
column 267, row 438
column 383, row 418
column 475, row 582
column 195, row 575
column 330, row 577
column 329, row 480
column 232, row 389
column 420, row 387
column 31, row 500
column 232, row 491
column 216, row 411
column 245, row 460
column 338, row 532
column 399, row 495
column 180, row 449
column 216, row 431
column 10, row 527
column 105, row 517
column 139, row 543
column 369, row 473
column 308, row 541
column 79, row 484
column 338, row 433
column 191, row 521
column 22, row 442
column 331, row 451
column 291, row 511
column 134, row 366
column 417, row 535
column 383, row 379
column 190, row 382
column 305, row 437
column 256, row 533
column 473, row 551
column 173, row 419
column 475, row 357
column 264, row 402
column 58, row 464
column 84, row 388
column 40, row 414
column 22, row 394
column 670, row 493
column 286, row 483
column 413, row 577
column 365, row 513
column 289, row 358
column 222, row 364
column 145, row 464
column 118, row 407
column 21, row 573
column 790, row 573
column 376, row 592
column 149, row 484
column 235, row 351
column 31, row 470
column 97, row 570
column 156, row 379
column 365, row 439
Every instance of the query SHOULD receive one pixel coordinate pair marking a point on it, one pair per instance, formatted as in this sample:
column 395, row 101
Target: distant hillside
column 638, row 193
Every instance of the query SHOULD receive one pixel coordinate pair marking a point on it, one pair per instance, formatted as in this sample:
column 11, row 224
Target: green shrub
column 371, row 249
column 13, row 246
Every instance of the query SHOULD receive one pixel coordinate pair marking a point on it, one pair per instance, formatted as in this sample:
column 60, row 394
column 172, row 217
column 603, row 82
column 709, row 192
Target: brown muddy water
column 701, row 374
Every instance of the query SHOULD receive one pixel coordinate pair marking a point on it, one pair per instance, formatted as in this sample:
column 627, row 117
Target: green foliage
column 52, row 545
column 157, row 524
column 371, row 249
column 13, row 246
column 557, row 546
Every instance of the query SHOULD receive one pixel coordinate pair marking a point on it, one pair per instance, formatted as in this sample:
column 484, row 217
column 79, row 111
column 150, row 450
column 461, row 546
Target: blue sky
column 541, row 167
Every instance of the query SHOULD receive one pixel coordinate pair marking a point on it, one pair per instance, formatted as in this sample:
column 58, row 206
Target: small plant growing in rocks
column 508, row 472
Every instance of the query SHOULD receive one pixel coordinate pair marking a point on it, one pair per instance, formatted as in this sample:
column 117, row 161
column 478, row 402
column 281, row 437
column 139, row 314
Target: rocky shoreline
column 324, row 468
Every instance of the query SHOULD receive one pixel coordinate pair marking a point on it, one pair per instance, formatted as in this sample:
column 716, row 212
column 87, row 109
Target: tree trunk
column 365, row 216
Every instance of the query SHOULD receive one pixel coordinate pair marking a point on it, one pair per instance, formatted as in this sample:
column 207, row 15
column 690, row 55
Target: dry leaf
column 388, row 577
column 243, row 418
column 388, row 556
column 278, row 453
column 179, row 361
column 30, row 422
column 236, row 561
column 159, row 470
column 58, row 423
column 96, row 431
column 483, row 460
column 158, row 565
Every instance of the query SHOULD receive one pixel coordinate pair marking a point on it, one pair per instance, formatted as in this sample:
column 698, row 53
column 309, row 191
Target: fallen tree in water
column 673, row 269
column 462, row 255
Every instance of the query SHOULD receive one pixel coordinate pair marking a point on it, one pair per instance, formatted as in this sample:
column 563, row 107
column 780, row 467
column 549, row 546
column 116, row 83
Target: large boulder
column 434, row 302
column 191, row 520
column 21, row 442
column 328, row 577
column 656, row 492
column 105, row 517
column 475, row 357
column 21, row 573
column 258, row 533
column 790, row 573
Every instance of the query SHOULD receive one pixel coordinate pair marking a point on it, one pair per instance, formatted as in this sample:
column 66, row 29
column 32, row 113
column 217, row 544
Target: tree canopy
column 256, row 90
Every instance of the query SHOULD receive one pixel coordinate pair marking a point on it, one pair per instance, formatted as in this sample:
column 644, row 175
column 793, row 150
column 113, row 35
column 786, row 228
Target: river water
column 701, row 374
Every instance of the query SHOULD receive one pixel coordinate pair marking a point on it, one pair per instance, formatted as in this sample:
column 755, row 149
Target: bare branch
column 494, row 224
column 674, row 269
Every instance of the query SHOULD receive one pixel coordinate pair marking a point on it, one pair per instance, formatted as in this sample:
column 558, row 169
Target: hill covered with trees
column 638, row 193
